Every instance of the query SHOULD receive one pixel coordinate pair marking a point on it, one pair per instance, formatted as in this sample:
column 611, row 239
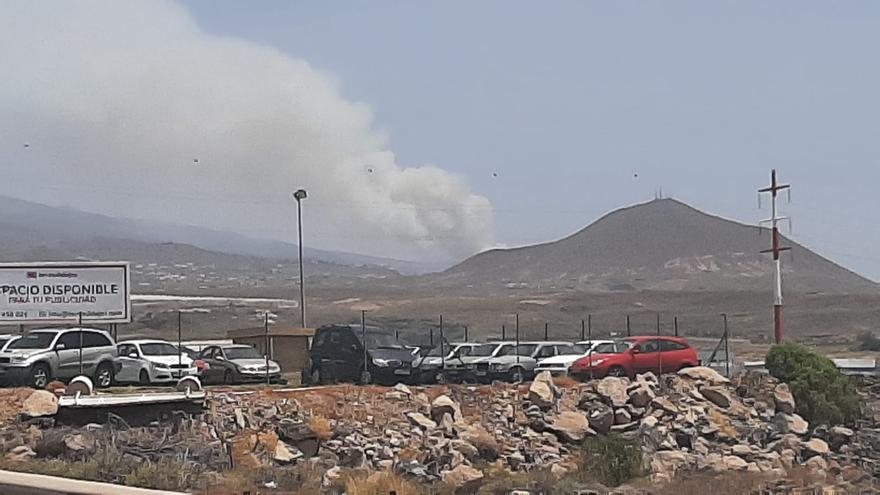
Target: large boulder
column 717, row 395
column 815, row 447
column 734, row 463
column 613, row 390
column 601, row 417
column 703, row 374
column 570, row 426
column 40, row 403
column 839, row 436
column 286, row 454
column 641, row 396
column 462, row 477
column 445, row 405
column 542, row 391
column 664, row 404
column 783, row 399
column 791, row 423
column 421, row 421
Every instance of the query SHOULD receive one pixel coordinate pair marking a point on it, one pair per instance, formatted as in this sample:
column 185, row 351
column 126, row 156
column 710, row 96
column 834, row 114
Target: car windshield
column 435, row 352
column 512, row 350
column 158, row 349
column 483, row 350
column 575, row 349
column 34, row 340
column 242, row 353
column 379, row 340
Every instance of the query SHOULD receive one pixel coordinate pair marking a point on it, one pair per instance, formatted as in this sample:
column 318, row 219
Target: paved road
column 12, row 483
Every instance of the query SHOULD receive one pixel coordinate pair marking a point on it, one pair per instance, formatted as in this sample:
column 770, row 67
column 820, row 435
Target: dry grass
column 321, row 427
column 718, row 484
column 380, row 483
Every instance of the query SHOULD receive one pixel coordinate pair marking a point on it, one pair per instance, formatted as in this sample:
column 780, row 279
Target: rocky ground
column 457, row 439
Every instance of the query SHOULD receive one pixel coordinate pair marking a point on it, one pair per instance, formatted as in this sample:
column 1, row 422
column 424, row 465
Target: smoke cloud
column 130, row 109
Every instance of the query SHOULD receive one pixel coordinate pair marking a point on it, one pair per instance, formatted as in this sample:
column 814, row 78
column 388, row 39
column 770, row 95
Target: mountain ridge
column 663, row 244
column 53, row 226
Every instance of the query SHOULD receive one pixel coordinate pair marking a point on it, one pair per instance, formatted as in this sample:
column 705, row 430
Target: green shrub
column 612, row 459
column 822, row 394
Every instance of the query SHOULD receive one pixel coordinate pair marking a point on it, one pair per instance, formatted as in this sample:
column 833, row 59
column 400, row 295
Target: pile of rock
column 695, row 421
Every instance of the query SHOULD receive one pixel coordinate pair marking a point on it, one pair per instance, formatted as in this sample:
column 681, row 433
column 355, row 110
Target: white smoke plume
column 106, row 105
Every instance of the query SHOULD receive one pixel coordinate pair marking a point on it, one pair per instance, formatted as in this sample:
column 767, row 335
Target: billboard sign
column 59, row 292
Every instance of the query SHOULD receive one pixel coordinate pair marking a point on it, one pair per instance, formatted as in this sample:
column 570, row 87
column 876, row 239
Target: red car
column 634, row 355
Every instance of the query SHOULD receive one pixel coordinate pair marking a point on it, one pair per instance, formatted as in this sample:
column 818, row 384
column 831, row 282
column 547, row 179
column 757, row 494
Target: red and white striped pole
column 776, row 249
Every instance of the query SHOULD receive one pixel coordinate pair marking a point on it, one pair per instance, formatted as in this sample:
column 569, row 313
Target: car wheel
column 144, row 378
column 617, row 371
column 516, row 375
column 104, row 375
column 228, row 379
column 39, row 376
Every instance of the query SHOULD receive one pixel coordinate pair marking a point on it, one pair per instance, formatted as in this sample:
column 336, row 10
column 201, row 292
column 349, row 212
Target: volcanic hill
column 660, row 245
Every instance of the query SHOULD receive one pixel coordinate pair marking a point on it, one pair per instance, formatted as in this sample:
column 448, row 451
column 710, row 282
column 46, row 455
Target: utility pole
column 775, row 249
column 300, row 195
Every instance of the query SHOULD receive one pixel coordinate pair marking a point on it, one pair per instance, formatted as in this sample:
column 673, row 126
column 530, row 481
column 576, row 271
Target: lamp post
column 300, row 195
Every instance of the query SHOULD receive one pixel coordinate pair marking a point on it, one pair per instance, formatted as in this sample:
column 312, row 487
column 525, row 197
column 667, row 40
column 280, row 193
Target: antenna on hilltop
column 775, row 249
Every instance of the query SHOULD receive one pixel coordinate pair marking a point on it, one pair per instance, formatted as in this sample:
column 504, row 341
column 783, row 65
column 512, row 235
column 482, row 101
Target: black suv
column 338, row 355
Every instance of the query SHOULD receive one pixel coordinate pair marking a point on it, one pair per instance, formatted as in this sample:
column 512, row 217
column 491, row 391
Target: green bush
column 822, row 394
column 612, row 459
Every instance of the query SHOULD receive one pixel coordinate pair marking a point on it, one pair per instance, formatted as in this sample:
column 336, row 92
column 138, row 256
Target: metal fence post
column 268, row 382
column 80, row 323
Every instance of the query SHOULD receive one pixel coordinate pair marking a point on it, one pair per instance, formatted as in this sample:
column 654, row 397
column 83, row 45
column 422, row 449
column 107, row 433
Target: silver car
column 44, row 355
column 430, row 366
column 517, row 363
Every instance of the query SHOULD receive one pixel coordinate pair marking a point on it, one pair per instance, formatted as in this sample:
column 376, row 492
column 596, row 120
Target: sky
column 431, row 130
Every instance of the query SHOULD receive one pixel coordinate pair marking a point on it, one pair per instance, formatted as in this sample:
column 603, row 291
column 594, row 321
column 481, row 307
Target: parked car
column 562, row 361
column 517, row 362
column 635, row 355
column 460, row 370
column 432, row 365
column 235, row 363
column 43, row 355
column 348, row 353
column 152, row 361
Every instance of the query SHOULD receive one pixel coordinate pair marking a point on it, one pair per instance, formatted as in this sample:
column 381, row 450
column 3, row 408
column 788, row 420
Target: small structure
column 288, row 346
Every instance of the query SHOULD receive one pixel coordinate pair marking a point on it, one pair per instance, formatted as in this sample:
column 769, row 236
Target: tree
column 822, row 394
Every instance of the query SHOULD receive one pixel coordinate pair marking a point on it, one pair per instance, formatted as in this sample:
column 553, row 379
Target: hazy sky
column 543, row 110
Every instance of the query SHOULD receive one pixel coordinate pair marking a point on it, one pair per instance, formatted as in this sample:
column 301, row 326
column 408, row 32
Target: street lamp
column 300, row 195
